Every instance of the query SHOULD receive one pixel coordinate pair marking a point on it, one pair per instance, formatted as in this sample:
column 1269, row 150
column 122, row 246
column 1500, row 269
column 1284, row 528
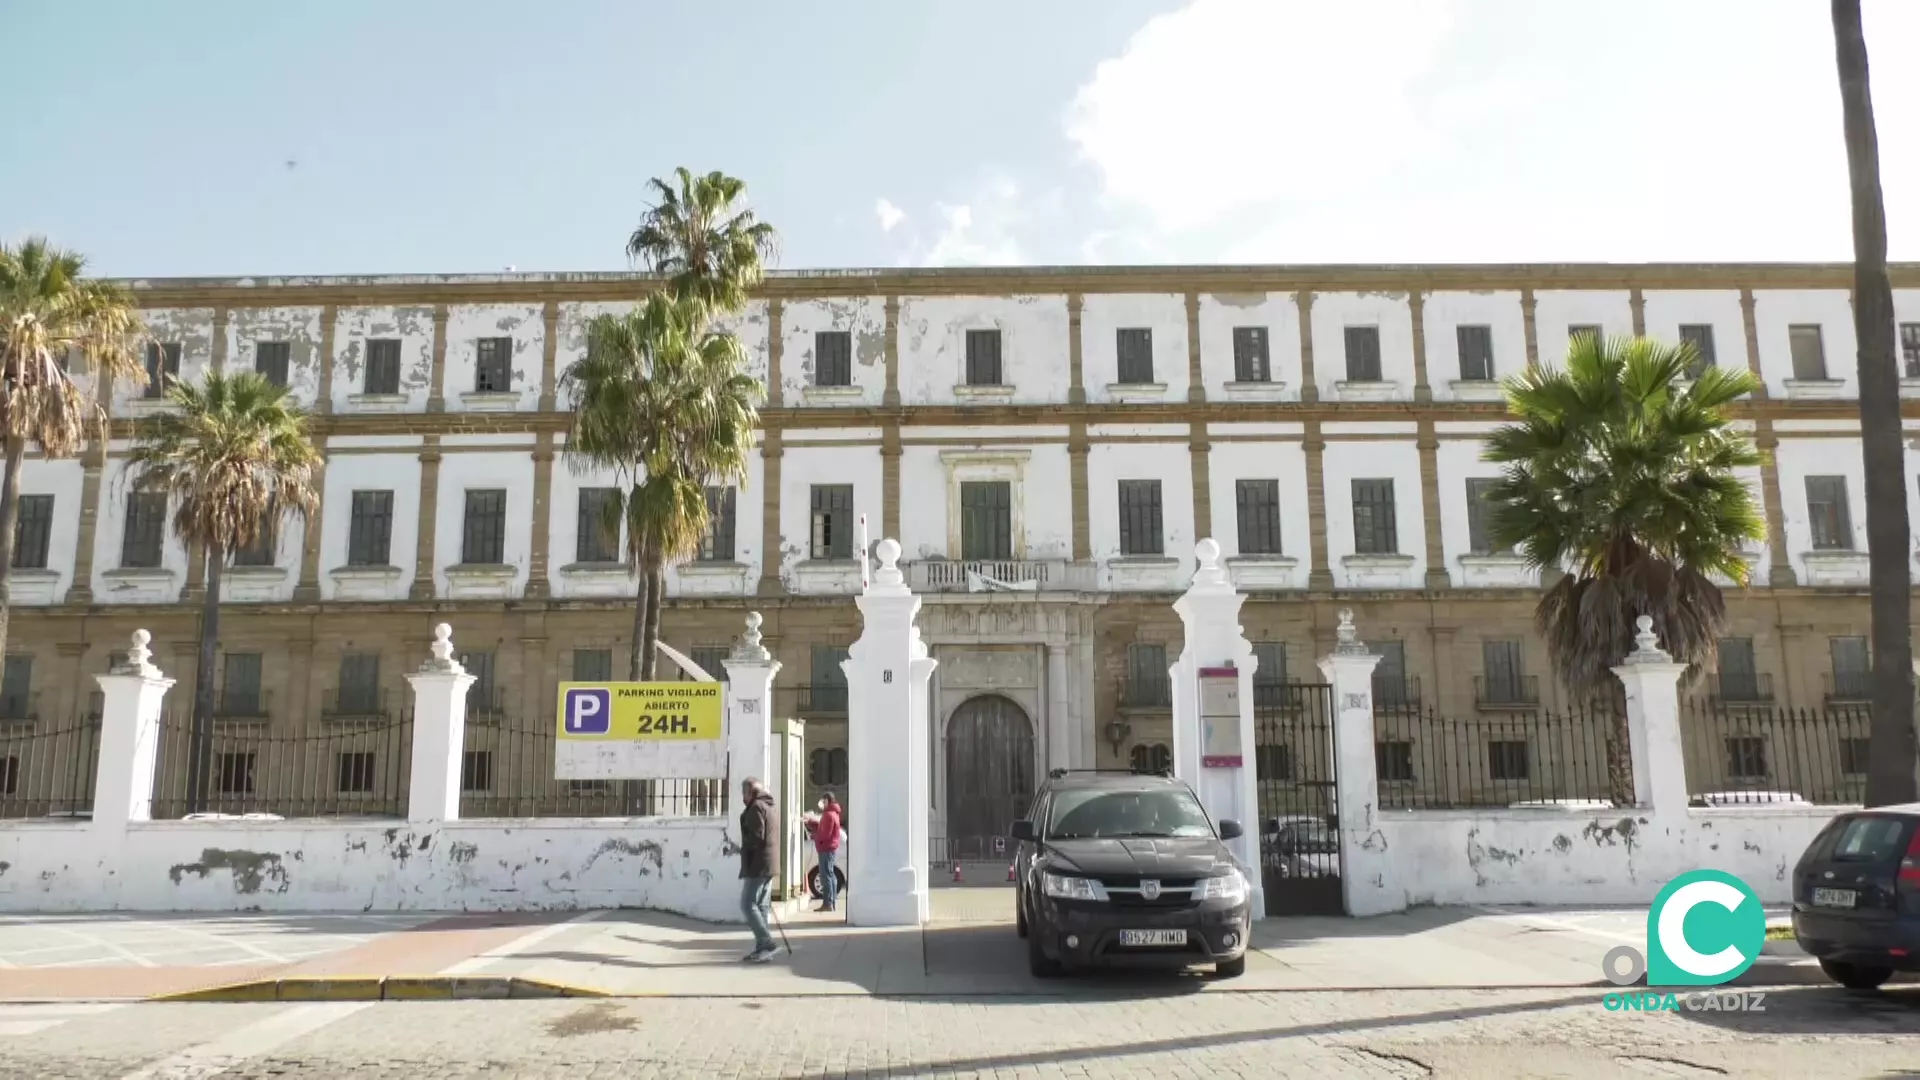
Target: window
column 270, row 361
column 711, row 659
column 140, row 544
column 1476, row 352
column 1273, row 761
column 1480, row 507
column 1252, row 362
column 16, row 688
column 370, row 528
column 986, row 519
column 1140, row 530
column 233, row 774
column 33, row 533
column 1393, row 761
column 597, row 539
column 1746, row 757
column 483, row 540
column 833, row 358
column 1134, row 348
column 593, row 665
column 265, row 546
column 1269, row 674
column 476, row 770
column 1855, row 753
column 383, row 366
column 1575, row 333
column 832, row 521
column 481, row 696
column 1739, row 675
column 1148, row 683
column 1910, row 349
column 1852, row 665
column 1257, row 504
column 163, row 366
column 240, row 685
column 1391, row 686
column 1363, row 354
column 1700, row 336
column 983, row 358
column 493, row 366
column 1151, row 758
column 1504, row 670
column 1375, row 529
column 1507, row 759
column 1809, row 352
column 354, row 772
column 359, row 692
column 1827, row 513
column 828, row 692
column 827, row 767
column 718, row 546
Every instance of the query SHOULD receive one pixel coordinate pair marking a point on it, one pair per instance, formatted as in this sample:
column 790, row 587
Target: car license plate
column 1833, row 897
column 1153, row 937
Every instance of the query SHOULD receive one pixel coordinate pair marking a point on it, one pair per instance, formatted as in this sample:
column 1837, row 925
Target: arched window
column 1152, row 758
column 827, row 766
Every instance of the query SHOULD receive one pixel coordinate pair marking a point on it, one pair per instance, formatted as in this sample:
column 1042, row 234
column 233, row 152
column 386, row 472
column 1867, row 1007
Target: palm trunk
column 199, row 771
column 1620, row 786
column 640, row 646
column 650, row 630
column 9, row 521
column 1890, row 774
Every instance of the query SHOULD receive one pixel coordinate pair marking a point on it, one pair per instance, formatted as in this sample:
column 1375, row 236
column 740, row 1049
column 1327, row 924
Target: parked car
column 1127, row 869
column 1304, row 847
column 1856, row 896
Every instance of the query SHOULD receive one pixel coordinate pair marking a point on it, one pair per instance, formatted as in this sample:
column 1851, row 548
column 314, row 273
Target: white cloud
column 982, row 230
column 1479, row 130
column 963, row 242
column 889, row 215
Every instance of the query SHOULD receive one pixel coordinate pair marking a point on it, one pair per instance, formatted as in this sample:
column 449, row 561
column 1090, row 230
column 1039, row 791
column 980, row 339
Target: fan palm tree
column 709, row 251
column 50, row 312
column 1890, row 775
column 1621, row 474
column 234, row 460
column 669, row 409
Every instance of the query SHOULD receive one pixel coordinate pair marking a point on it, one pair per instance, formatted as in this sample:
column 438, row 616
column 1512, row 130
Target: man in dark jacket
column 759, row 840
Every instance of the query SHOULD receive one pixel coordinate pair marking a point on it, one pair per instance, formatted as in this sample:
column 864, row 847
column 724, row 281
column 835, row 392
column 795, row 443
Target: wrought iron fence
column 48, row 770
column 1753, row 755
column 346, row 769
column 507, row 770
column 1521, row 759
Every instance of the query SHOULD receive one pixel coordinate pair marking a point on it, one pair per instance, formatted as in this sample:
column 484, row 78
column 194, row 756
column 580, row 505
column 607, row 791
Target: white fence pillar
column 439, row 732
column 131, row 695
column 750, row 672
column 1652, row 680
column 887, row 754
column 1220, row 769
column 1365, row 869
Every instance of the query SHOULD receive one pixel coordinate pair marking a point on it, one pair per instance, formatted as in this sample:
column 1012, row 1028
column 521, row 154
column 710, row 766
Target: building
column 1069, row 431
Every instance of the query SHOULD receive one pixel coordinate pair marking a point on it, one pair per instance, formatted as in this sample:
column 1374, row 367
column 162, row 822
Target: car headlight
column 1230, row 886
column 1061, row 887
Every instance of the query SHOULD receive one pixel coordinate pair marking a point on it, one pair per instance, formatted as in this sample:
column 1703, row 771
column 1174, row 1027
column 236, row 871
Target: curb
column 385, row 988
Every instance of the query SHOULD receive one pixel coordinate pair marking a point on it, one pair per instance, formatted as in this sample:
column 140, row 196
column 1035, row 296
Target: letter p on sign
column 589, row 712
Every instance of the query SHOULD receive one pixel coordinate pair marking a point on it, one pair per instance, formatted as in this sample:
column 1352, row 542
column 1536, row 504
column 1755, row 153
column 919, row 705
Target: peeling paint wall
column 1391, row 313
column 1222, row 313
column 864, row 318
column 809, row 463
column 355, row 326
column 1774, row 311
column 1285, row 462
column 298, row 327
column 192, row 330
column 675, row 865
column 1443, row 313
column 1396, row 461
column 1033, row 345
column 398, row 472
column 467, row 326
column 1104, row 315
column 1171, row 463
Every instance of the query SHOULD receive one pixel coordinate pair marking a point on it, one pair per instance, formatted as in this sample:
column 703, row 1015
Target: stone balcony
column 1000, row 575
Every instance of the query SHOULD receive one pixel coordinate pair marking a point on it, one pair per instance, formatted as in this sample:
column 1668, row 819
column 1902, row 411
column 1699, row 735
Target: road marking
column 474, row 964
column 1559, row 924
column 32, row 1019
column 98, row 942
column 262, row 1036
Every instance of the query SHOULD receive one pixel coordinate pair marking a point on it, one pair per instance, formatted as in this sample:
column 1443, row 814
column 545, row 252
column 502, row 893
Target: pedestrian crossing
column 20, row 1020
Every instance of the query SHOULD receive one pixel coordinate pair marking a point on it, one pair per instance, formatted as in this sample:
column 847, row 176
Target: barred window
column 718, row 546
column 598, row 537
column 1700, row 336
column 270, row 359
column 1252, row 363
column 1134, row 349
column 1393, row 760
column 1809, row 351
column 1508, row 759
column 592, row 665
column 359, row 691
column 483, row 540
column 832, row 521
column 493, row 365
column 354, row 772
column 1363, row 354
column 142, row 542
column 240, row 693
column 1910, row 349
column 370, row 528
column 33, row 533
column 983, row 358
column 1257, row 503
column 1480, row 507
column 711, row 659
column 163, row 367
column 1476, row 352
column 1375, row 528
column 383, row 366
column 986, row 519
column 833, row 358
column 1827, row 513
column 1140, row 522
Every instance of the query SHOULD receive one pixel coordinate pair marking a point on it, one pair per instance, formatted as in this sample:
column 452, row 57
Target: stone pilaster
column 437, row 396
column 1320, row 574
column 890, row 480
column 329, row 318
column 423, row 552
column 549, row 351
column 1077, row 380
column 1429, row 445
column 771, row 554
column 1780, row 573
column 776, row 347
column 1750, row 329
column 1637, row 299
column 93, row 459
column 1077, row 481
column 538, row 587
column 1527, row 306
column 891, row 398
column 307, row 589
column 222, row 321
column 1200, row 458
column 1417, row 308
column 1196, row 377
column 1309, row 387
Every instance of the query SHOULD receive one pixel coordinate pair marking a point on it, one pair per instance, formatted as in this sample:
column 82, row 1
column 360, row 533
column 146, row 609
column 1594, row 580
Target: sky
column 235, row 138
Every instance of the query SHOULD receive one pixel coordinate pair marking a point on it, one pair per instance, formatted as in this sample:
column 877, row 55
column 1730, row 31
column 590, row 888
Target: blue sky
column 432, row 135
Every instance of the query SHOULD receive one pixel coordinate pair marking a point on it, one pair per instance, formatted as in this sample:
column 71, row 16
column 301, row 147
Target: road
column 1159, row 1029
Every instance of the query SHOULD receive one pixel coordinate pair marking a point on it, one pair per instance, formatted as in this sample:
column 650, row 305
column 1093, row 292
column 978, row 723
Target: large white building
column 1075, row 428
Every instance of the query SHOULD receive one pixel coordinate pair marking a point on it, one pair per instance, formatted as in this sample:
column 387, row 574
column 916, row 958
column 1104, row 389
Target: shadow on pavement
column 1823, row 1009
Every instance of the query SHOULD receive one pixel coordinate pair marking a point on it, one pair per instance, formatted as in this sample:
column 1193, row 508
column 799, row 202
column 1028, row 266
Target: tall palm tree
column 669, row 409
column 235, row 462
column 1890, row 775
column 50, row 312
column 1622, row 475
column 695, row 236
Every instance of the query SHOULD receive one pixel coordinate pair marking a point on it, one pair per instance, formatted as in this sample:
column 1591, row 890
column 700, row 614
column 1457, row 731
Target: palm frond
column 51, row 315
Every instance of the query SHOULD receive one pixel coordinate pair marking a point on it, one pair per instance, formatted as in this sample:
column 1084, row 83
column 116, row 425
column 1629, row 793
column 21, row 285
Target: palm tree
column 668, row 409
column 235, row 462
column 1622, row 475
column 1890, row 776
column 48, row 313
column 708, row 251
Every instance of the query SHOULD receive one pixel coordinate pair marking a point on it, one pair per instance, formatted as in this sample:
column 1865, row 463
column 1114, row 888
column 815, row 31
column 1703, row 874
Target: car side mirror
column 1023, row 831
column 1230, row 829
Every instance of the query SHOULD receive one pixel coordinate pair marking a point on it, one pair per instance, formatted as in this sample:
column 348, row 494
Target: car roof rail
column 1056, row 774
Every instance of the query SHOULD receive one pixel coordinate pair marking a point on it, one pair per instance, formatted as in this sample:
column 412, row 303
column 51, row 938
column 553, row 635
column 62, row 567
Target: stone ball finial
column 443, row 642
column 141, row 638
column 1644, row 638
column 139, row 654
column 1208, row 552
column 888, row 551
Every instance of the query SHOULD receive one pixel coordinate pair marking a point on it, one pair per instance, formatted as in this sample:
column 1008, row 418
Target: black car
column 1856, row 896
column 1127, row 869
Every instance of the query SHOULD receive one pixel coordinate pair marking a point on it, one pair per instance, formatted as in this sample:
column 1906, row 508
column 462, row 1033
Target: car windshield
column 1871, row 840
column 1101, row 814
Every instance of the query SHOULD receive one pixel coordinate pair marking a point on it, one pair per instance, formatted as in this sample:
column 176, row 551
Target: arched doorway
column 990, row 782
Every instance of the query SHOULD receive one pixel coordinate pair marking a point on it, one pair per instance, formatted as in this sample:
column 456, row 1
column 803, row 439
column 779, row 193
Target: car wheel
column 813, row 884
column 1037, row 961
column 1856, row 976
column 1019, row 916
column 1231, row 969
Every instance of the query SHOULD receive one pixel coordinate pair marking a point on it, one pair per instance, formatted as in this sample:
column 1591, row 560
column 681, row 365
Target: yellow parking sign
column 680, row 711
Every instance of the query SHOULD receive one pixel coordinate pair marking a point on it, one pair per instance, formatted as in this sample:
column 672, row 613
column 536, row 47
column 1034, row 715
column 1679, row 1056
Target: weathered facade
column 1072, row 432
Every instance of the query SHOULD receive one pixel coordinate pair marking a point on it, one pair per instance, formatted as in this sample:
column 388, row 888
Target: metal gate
column 1299, row 811
column 989, row 779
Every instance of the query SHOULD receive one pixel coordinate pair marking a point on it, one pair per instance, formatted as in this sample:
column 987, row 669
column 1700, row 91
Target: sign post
column 1220, row 746
column 639, row 731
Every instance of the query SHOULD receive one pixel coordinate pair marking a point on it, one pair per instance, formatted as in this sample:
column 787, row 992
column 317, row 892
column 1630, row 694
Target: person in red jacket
column 826, row 841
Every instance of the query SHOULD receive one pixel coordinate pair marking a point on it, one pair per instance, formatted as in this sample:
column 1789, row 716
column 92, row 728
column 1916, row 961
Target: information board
column 1220, row 719
column 640, row 731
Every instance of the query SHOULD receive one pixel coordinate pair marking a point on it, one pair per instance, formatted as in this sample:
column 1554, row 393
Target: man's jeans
column 829, row 881
column 756, row 895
